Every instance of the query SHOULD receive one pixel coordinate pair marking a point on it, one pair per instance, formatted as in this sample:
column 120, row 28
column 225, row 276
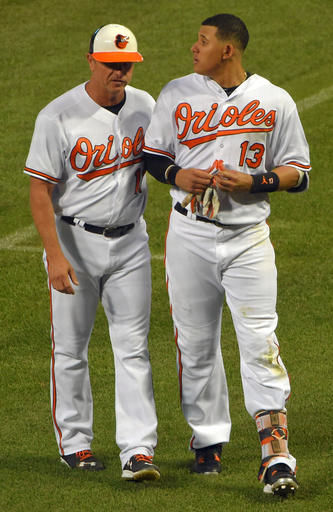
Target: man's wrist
column 265, row 182
column 170, row 174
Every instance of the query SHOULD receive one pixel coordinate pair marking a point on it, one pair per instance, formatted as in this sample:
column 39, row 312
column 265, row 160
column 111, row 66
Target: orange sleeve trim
column 302, row 166
column 39, row 174
column 158, row 151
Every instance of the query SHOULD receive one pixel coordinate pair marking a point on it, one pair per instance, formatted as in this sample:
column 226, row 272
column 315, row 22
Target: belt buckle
column 108, row 232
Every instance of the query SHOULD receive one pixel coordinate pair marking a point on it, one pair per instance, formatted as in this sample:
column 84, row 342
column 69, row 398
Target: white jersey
column 94, row 157
column 254, row 130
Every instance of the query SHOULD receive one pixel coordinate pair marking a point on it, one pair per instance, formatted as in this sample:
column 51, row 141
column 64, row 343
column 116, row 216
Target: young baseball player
column 225, row 140
column 88, row 194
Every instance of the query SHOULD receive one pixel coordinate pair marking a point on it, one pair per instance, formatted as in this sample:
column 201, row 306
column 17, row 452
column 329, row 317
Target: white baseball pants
column 117, row 272
column 204, row 265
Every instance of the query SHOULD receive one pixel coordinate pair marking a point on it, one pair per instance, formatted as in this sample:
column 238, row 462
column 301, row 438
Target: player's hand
column 231, row 181
column 62, row 275
column 193, row 180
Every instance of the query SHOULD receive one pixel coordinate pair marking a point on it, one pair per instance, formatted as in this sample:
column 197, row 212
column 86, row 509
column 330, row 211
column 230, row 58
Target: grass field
column 43, row 47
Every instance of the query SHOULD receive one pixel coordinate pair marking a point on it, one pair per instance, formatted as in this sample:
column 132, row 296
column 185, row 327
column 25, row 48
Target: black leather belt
column 179, row 208
column 107, row 232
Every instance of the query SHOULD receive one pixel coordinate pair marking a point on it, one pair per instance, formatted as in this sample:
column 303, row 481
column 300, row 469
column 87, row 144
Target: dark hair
column 92, row 39
column 229, row 26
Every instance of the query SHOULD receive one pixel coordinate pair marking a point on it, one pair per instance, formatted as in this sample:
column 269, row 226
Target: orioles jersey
column 254, row 130
column 92, row 156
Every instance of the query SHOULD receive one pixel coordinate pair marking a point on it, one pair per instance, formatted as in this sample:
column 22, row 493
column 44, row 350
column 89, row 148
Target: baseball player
column 88, row 194
column 225, row 140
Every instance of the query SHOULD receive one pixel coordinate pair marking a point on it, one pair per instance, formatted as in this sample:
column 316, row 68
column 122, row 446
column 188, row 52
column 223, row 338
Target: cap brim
column 117, row 56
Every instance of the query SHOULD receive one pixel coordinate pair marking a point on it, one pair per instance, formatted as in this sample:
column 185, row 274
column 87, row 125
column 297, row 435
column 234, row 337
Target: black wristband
column 266, row 182
column 170, row 174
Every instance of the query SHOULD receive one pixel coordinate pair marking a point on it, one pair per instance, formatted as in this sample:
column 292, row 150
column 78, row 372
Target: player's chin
column 197, row 68
column 118, row 84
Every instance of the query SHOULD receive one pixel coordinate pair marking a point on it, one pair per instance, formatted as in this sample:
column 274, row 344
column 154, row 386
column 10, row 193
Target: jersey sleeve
column 287, row 143
column 159, row 136
column 45, row 158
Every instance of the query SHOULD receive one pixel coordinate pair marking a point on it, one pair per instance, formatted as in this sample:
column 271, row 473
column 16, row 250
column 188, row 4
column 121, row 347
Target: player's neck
column 230, row 77
column 105, row 98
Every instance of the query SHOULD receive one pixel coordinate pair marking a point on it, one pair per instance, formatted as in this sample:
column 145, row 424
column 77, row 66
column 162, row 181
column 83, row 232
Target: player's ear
column 91, row 61
column 228, row 51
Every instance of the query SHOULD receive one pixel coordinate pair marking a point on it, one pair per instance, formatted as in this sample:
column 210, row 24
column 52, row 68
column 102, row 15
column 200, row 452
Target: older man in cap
column 88, row 194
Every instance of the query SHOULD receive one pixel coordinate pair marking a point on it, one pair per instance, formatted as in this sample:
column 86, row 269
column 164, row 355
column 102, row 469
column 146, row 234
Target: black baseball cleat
column 140, row 467
column 208, row 460
column 280, row 481
column 82, row 460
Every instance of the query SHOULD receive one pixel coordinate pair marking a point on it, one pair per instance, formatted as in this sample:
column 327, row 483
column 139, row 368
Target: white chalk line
column 315, row 99
column 14, row 241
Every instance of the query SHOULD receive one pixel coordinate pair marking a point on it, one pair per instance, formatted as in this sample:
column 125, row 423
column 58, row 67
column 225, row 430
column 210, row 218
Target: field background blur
column 43, row 47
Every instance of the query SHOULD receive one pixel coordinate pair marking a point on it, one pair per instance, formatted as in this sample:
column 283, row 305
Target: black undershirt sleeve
column 156, row 165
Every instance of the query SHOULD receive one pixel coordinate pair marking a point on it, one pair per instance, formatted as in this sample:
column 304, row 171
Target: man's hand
column 60, row 271
column 61, row 274
column 193, row 180
column 231, row 181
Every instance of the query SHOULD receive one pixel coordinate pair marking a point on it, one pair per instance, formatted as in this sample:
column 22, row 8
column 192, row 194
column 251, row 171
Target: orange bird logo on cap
column 121, row 41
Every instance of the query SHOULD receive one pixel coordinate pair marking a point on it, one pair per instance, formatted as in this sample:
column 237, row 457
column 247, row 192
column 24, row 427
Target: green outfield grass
column 43, row 46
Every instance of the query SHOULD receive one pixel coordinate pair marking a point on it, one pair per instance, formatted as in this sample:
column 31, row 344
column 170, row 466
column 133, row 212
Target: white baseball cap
column 114, row 43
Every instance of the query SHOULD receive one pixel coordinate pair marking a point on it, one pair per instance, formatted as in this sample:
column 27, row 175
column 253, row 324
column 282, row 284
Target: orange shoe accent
column 84, row 454
column 144, row 458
